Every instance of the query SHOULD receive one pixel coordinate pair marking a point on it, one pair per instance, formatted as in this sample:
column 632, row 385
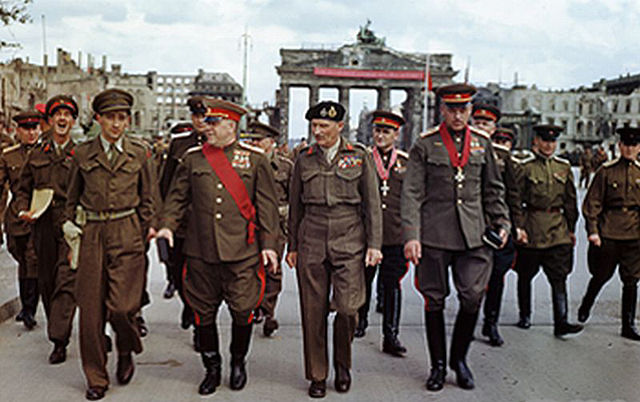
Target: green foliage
column 13, row 12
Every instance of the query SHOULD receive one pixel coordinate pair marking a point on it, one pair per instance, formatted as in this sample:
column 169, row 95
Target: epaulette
column 250, row 147
column 479, row 132
column 614, row 161
column 197, row 148
column 501, row 147
column 527, row 159
column 181, row 135
column 359, row 145
column 561, row 160
column 429, row 132
column 402, row 153
column 11, row 148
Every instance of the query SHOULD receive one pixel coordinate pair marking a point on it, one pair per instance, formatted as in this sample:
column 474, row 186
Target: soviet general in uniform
column 111, row 180
column 47, row 167
column 230, row 238
column 335, row 227
column 19, row 239
column 545, row 218
column 611, row 211
column 451, row 194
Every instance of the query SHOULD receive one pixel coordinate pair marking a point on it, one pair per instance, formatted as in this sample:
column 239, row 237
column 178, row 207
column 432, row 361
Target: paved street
column 597, row 365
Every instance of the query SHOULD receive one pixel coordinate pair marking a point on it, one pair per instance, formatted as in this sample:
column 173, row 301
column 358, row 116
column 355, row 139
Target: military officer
column 335, row 230
column 110, row 204
column 265, row 137
column 19, row 239
column 231, row 235
column 47, row 167
column 545, row 219
column 611, row 210
column 451, row 195
column 485, row 117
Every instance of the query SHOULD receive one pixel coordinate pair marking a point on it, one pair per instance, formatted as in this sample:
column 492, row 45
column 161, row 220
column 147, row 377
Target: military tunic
column 119, row 198
column 48, row 167
column 221, row 264
column 334, row 217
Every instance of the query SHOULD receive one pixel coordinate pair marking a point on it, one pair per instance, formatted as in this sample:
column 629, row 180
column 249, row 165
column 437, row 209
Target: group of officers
column 228, row 206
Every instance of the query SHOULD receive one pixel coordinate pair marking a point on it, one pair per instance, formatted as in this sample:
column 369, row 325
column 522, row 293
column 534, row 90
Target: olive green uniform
column 334, row 217
column 119, row 199
column 48, row 167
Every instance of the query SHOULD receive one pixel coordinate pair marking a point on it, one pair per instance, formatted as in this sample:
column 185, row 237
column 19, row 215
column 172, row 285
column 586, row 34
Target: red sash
column 454, row 157
column 234, row 185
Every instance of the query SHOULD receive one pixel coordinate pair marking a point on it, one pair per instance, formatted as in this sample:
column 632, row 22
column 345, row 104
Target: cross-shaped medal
column 459, row 176
column 385, row 188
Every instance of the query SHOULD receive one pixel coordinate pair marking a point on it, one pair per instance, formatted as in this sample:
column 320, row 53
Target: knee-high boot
column 629, row 300
column 460, row 341
column 434, row 324
column 240, row 341
column 210, row 353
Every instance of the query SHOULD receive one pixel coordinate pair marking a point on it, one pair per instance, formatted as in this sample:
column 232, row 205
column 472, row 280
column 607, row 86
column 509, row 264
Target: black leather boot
column 629, row 300
column 240, row 340
column 211, row 359
column 391, row 323
column 434, row 324
column 524, row 303
column 587, row 301
column 361, row 328
column 561, row 326
column 490, row 328
column 460, row 341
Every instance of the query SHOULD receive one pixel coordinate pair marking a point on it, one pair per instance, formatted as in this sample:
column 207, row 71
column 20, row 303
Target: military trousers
column 21, row 249
column 603, row 261
column 240, row 284
column 470, row 269
column 56, row 279
column 503, row 260
column 330, row 262
column 109, row 284
column 390, row 273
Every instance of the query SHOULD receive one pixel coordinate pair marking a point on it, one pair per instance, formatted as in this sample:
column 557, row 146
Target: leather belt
column 109, row 215
column 553, row 210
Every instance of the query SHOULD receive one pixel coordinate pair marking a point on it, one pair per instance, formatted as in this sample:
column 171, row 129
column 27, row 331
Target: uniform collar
column 106, row 144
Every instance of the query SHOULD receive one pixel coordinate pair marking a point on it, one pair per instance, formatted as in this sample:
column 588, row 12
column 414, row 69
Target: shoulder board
column 181, row 135
column 191, row 150
column 402, row 154
column 614, row 161
column 501, row 147
column 11, row 148
column 250, row 147
column 479, row 132
column 527, row 159
column 430, row 131
column 561, row 160
column 359, row 145
column 636, row 163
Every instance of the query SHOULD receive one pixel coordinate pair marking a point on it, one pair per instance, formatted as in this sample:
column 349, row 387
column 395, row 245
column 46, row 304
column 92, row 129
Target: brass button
column 219, row 200
column 459, row 201
column 218, row 216
column 219, row 186
column 384, row 206
column 460, row 185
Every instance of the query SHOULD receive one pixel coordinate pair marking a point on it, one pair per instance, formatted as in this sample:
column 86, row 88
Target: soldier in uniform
column 335, row 230
column 611, row 211
column 265, row 137
column 111, row 205
column 586, row 167
column 47, row 167
column 19, row 239
column 452, row 194
column 180, row 142
column 231, row 235
column 545, row 219
column 485, row 117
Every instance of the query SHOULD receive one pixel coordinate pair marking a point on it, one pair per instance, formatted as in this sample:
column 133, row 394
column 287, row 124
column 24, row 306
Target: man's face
column 266, row 144
column 629, row 151
column 385, row 137
column 326, row 132
column 197, row 119
column 221, row 132
column 546, row 148
column 455, row 118
column 113, row 124
column 62, row 121
column 486, row 125
column 28, row 135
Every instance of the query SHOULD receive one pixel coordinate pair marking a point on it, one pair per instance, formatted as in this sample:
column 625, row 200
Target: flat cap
column 61, row 101
column 29, row 118
column 219, row 109
column 548, row 132
column 503, row 133
column 383, row 118
column 456, row 94
column 260, row 130
column 629, row 135
column 486, row 111
column 196, row 104
column 328, row 110
column 111, row 100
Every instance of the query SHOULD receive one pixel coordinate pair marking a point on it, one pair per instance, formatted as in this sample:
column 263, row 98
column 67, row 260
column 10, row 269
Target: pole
column 44, row 41
column 245, row 61
column 425, row 117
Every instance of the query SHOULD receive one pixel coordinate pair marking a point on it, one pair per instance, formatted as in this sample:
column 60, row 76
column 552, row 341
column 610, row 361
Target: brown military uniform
column 48, row 167
column 334, row 217
column 118, row 198
column 221, row 265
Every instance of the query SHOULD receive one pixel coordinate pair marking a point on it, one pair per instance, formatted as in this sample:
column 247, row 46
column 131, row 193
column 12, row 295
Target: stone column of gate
column 384, row 99
column 413, row 117
column 343, row 99
column 283, row 104
column 314, row 97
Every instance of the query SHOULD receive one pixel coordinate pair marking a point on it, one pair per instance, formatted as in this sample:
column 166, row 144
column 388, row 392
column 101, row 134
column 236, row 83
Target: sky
column 557, row 44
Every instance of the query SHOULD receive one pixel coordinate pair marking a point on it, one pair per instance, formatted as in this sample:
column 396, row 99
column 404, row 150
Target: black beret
column 327, row 110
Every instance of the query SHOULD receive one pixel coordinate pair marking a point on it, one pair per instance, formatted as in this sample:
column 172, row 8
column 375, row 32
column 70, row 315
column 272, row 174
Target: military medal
column 382, row 172
column 459, row 177
column 457, row 161
column 385, row 188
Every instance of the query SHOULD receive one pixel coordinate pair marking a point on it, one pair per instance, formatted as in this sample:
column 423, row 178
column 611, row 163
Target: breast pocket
column 312, row 186
column 42, row 171
column 346, row 183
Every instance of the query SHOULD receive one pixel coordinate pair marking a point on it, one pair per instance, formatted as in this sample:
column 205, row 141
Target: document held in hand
column 40, row 201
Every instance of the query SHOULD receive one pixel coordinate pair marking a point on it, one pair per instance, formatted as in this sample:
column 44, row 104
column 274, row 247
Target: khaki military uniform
column 547, row 211
column 221, row 264
column 19, row 239
column 334, row 217
column 48, row 167
column 118, row 197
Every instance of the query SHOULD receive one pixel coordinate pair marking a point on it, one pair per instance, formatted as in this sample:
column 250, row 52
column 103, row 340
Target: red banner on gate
column 412, row 75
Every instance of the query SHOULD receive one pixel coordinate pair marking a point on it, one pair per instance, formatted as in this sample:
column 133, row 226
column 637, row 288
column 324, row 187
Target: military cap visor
column 487, row 112
column 112, row 100
column 548, row 132
column 629, row 136
column 327, row 110
column 260, row 130
column 61, row 101
column 456, row 95
column 382, row 118
column 219, row 109
column 504, row 134
column 28, row 119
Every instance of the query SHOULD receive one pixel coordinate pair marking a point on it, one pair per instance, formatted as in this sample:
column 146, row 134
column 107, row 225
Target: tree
column 13, row 12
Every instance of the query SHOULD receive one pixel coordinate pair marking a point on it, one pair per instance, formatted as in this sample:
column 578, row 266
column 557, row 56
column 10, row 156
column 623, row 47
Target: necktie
column 112, row 154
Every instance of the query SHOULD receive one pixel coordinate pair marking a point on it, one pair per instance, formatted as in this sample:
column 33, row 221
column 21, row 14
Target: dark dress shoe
column 270, row 326
column 142, row 326
column 491, row 331
column 59, row 354
column 95, row 393
column 20, row 316
column 463, row 374
column 210, row 383
column 318, row 389
column 583, row 314
column 524, row 323
column 435, row 382
column 238, row 378
column 343, row 379
column 125, row 369
column 169, row 291
column 566, row 328
column 28, row 321
column 393, row 347
column 361, row 328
